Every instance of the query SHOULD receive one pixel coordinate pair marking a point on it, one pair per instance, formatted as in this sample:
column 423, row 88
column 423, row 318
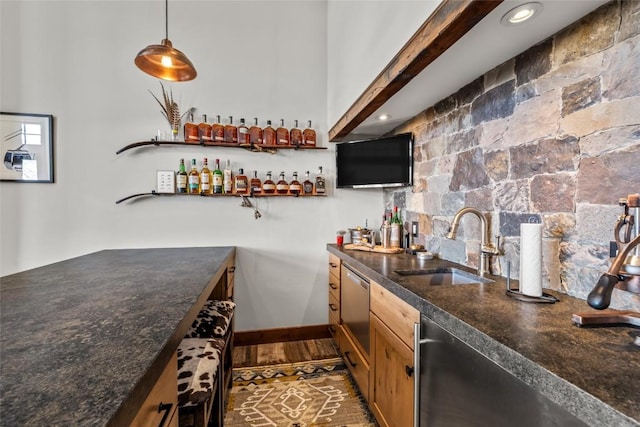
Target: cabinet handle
column 332, row 265
column 409, row 370
column 232, row 269
column 332, row 286
column 351, row 362
column 333, row 307
column 166, row 407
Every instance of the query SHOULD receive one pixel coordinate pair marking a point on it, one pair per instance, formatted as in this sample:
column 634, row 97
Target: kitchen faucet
column 486, row 247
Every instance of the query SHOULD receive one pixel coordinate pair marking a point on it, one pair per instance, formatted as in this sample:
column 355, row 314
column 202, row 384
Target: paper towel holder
column 545, row 298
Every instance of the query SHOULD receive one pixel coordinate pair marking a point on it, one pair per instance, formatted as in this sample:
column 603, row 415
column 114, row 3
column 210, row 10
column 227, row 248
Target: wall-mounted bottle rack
column 271, row 149
column 155, row 193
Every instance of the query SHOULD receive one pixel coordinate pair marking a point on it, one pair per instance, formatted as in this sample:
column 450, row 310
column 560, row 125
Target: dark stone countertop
column 83, row 340
column 592, row 372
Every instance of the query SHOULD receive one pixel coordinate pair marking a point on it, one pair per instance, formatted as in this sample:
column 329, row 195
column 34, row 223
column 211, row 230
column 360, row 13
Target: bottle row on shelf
column 217, row 181
column 229, row 133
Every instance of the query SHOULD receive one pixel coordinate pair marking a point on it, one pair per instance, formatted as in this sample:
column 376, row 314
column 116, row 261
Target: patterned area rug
column 316, row 393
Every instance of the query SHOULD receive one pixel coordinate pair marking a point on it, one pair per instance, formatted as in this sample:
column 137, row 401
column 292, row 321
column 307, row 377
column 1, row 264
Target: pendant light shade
column 164, row 61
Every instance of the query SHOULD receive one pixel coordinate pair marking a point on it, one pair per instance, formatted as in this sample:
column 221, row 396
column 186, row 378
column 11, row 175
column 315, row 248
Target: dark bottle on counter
column 269, row 134
column 230, row 132
column 181, row 178
column 295, row 135
column 282, row 134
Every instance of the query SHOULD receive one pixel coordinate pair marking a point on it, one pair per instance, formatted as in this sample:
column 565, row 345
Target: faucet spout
column 486, row 247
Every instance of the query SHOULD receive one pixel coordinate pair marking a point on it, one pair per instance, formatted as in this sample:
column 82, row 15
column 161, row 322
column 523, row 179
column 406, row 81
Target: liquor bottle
column 242, row 183
column 206, row 178
column 307, row 185
column 282, row 134
column 194, row 178
column 230, row 132
column 205, row 130
column 268, row 186
column 243, row 133
column 255, row 133
column 282, row 186
column 181, row 178
column 217, row 179
column 191, row 130
column 309, row 136
column 217, row 131
column 256, row 184
column 320, row 182
column 269, row 134
column 294, row 185
column 295, row 135
column 227, row 180
column 396, row 229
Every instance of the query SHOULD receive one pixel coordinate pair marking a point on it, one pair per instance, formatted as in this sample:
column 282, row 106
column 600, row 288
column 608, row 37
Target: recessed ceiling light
column 383, row 117
column 522, row 13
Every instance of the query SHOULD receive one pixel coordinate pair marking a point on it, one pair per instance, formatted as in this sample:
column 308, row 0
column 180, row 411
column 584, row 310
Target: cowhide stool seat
column 213, row 320
column 199, row 371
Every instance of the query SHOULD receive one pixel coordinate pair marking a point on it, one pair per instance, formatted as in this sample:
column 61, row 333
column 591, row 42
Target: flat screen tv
column 379, row 162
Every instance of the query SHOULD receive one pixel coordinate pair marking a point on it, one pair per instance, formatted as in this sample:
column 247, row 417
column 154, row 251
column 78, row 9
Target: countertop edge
column 590, row 409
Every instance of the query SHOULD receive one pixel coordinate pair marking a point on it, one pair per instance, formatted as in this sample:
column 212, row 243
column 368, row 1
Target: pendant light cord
column 166, row 19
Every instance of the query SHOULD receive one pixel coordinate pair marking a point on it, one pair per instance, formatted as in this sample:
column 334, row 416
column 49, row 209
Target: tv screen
column 380, row 162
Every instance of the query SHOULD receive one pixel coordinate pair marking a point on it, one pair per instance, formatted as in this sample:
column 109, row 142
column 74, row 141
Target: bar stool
column 213, row 320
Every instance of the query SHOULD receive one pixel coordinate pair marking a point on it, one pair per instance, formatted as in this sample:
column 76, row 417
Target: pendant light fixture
column 164, row 61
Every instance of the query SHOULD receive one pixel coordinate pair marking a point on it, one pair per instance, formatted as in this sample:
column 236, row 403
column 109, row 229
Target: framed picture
column 26, row 145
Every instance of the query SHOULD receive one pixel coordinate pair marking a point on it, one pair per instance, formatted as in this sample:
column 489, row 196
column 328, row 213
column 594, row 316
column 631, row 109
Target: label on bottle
column 394, row 240
column 182, row 181
column 193, row 182
column 320, row 189
column 307, row 187
column 268, row 187
column 295, row 187
column 241, row 186
column 282, row 187
column 205, row 185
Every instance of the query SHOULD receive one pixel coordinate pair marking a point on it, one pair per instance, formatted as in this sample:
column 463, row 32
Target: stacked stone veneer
column 551, row 135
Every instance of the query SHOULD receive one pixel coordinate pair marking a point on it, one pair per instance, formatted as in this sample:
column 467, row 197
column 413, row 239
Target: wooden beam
column 445, row 26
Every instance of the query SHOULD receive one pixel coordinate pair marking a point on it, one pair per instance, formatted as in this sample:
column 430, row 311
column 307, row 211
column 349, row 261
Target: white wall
column 74, row 59
column 363, row 37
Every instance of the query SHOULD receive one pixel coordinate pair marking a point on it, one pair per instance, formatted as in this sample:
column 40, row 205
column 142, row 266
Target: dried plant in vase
column 171, row 111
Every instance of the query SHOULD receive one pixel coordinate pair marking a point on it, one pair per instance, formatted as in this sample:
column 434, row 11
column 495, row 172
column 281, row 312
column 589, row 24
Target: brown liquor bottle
column 294, row 185
column 282, row 186
column 242, row 183
column 217, row 131
column 309, row 136
column 256, row 184
column 243, row 133
column 191, row 130
column 205, row 130
column 255, row 133
column 230, row 132
column 269, row 134
column 296, row 135
column 268, row 186
column 282, row 134
column 307, row 185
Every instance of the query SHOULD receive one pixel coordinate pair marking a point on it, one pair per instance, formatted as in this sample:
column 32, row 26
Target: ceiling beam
column 445, row 26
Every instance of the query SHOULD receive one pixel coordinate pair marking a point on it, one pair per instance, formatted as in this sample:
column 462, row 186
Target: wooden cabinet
column 391, row 380
column 334, row 298
column 160, row 406
column 356, row 361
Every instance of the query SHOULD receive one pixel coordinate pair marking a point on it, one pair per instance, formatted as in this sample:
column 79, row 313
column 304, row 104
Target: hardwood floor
column 284, row 352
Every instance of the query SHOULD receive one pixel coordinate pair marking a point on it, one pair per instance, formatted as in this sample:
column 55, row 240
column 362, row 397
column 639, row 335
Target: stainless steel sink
column 443, row 276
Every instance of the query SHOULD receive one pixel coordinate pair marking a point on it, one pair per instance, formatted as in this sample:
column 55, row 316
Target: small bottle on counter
column 395, row 239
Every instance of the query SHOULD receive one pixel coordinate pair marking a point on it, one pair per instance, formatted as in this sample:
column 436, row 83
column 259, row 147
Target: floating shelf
column 154, row 193
column 271, row 149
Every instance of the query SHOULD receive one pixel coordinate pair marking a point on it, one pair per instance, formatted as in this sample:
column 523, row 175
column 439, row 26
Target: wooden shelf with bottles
column 259, row 148
column 248, row 195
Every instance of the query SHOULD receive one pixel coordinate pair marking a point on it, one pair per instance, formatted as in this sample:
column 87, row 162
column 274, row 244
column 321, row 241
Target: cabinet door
column 162, row 403
column 391, row 379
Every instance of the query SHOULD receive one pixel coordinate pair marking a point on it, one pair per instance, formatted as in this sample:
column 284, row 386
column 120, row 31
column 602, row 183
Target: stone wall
column 552, row 135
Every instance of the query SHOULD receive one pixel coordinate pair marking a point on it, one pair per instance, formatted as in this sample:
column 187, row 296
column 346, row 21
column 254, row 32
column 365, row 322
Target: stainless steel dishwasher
column 458, row 386
column 354, row 304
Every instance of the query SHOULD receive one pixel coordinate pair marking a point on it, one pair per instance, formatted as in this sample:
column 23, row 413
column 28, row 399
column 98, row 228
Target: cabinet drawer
column 395, row 313
column 164, row 392
column 334, row 287
column 334, row 266
column 356, row 363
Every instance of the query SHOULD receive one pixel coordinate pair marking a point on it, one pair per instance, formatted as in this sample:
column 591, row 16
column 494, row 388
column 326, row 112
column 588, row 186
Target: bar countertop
column 592, row 372
column 82, row 341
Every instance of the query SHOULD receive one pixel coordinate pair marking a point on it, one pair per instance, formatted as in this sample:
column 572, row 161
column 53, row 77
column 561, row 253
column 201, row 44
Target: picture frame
column 26, row 146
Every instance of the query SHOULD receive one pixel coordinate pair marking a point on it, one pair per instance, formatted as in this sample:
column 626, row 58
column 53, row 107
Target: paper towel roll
column 531, row 259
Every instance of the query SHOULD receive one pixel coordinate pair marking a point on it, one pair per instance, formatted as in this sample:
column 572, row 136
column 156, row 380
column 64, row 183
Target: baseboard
column 265, row 336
